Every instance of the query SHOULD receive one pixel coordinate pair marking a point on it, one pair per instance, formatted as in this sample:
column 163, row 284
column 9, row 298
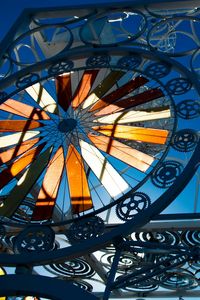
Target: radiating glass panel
column 48, row 192
column 104, row 86
column 19, row 165
column 77, row 180
column 23, row 110
column 135, row 116
column 132, row 157
column 15, row 138
column 148, row 135
column 64, row 90
column 119, row 92
column 13, row 152
column 112, row 181
column 131, row 101
column 24, row 184
column 18, row 125
column 84, row 87
column 42, row 97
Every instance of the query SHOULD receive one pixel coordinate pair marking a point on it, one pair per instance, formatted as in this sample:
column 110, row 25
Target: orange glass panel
column 120, row 92
column 84, row 87
column 13, row 152
column 24, row 184
column 149, row 135
column 77, row 179
column 131, row 101
column 23, row 110
column 19, row 165
column 49, row 190
column 64, row 91
column 16, row 125
column 132, row 157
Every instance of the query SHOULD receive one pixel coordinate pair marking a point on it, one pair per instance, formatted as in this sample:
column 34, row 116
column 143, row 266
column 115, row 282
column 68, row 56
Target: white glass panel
column 90, row 100
column 134, row 116
column 109, row 177
column 15, row 138
column 42, row 97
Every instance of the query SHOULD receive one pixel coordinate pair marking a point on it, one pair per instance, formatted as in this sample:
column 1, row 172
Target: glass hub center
column 67, row 125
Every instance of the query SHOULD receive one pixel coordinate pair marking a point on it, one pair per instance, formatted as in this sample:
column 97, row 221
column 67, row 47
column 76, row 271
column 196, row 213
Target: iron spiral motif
column 73, row 268
column 83, row 285
column 126, row 261
column 191, row 238
column 147, row 285
column 167, row 237
column 178, row 279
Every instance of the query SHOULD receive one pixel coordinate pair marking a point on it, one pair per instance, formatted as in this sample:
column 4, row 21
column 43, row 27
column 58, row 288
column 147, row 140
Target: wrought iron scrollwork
column 85, row 229
column 131, row 206
column 60, row 67
column 165, row 175
column 188, row 109
column 185, row 140
column 34, row 238
column 27, row 80
column 130, row 62
column 179, row 86
column 98, row 61
column 76, row 268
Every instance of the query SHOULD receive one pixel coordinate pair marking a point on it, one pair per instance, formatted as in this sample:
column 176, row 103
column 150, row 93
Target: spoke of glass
column 42, row 97
column 104, row 171
column 15, row 138
column 119, row 93
column 103, row 87
column 23, row 110
column 47, row 195
column 18, row 125
column 84, row 87
column 19, row 165
column 64, row 91
column 131, row 101
column 154, row 113
column 24, row 185
column 132, row 157
column 148, row 135
column 19, row 149
column 77, row 180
